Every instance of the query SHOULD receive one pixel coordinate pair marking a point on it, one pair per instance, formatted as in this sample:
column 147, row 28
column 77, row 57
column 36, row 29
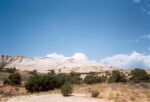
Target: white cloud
column 76, row 56
column 137, row 1
column 125, row 61
column 80, row 56
column 133, row 60
column 55, row 55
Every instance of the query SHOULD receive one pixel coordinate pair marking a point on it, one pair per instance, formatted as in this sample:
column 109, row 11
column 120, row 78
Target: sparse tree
column 139, row 75
column 2, row 65
column 66, row 89
column 15, row 79
column 116, row 76
column 92, row 79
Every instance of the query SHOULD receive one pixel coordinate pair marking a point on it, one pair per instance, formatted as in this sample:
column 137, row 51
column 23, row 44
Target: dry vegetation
column 118, row 89
column 118, row 92
column 115, row 92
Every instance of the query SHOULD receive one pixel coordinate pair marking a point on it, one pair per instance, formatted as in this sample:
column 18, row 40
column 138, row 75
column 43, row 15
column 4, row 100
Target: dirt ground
column 115, row 92
column 118, row 92
column 55, row 98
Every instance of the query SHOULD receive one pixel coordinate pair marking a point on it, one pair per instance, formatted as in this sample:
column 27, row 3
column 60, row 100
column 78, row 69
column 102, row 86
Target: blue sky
column 97, row 28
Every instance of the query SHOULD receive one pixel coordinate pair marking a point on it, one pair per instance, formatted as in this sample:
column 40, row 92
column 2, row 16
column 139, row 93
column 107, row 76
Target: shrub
column 49, row 82
column 7, row 94
column 92, row 79
column 116, row 76
column 73, row 79
column 34, row 72
column 103, row 78
column 40, row 83
column 2, row 65
column 139, row 75
column 6, row 82
column 66, row 89
column 9, row 70
column 72, row 73
column 15, row 79
column 94, row 93
column 52, row 72
column 93, row 73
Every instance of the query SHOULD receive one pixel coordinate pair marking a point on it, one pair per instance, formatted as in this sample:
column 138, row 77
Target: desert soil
column 55, row 98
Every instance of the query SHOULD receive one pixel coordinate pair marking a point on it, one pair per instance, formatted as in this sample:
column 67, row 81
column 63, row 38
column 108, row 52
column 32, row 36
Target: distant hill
column 43, row 64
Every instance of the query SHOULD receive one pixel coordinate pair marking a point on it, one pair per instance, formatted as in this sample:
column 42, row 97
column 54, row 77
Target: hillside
column 43, row 64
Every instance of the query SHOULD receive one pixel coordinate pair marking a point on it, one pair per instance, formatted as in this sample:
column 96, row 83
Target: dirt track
column 55, row 98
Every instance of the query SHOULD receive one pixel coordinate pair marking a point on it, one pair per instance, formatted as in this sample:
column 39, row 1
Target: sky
column 99, row 29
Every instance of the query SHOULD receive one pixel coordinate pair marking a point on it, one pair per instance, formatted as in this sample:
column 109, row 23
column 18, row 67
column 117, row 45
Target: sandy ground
column 82, row 93
column 55, row 98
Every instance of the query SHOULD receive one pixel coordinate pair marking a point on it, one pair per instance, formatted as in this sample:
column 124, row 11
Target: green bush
column 52, row 72
column 15, row 79
column 34, row 72
column 116, row 76
column 139, row 75
column 103, row 79
column 73, row 79
column 50, row 81
column 9, row 70
column 66, row 89
column 41, row 83
column 72, row 73
column 92, row 79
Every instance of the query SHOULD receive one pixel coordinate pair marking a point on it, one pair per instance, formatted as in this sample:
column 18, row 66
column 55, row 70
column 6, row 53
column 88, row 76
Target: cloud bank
column 133, row 60
column 57, row 56
column 80, row 56
column 125, row 61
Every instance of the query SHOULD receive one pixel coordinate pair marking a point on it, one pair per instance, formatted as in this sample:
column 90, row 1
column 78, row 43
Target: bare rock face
column 43, row 64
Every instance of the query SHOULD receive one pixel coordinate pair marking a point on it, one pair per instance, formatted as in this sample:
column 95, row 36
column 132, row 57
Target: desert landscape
column 74, row 50
column 97, row 84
